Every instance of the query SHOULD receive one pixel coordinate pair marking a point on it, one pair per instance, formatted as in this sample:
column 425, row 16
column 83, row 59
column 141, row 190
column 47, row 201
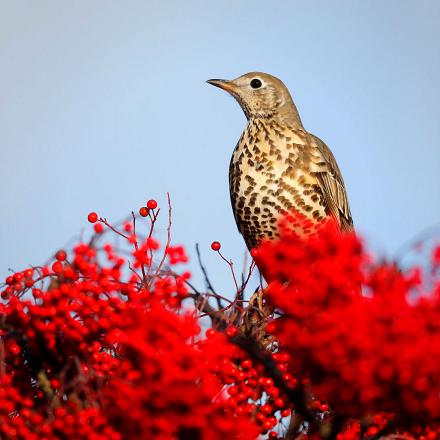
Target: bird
column 277, row 166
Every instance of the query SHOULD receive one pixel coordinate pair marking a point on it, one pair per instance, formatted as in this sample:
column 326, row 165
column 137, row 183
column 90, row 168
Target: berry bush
column 111, row 340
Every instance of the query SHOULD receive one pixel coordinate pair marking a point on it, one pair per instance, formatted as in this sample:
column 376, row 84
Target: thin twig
column 104, row 220
column 230, row 263
column 165, row 253
column 207, row 280
column 153, row 219
column 144, row 275
column 246, row 281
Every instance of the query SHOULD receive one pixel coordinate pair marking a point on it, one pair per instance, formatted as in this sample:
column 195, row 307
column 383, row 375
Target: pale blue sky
column 103, row 105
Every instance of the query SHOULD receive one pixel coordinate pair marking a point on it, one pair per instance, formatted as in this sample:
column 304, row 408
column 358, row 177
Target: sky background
column 103, row 105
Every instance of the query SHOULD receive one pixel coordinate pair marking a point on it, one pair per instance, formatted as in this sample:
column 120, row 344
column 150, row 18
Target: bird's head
column 261, row 95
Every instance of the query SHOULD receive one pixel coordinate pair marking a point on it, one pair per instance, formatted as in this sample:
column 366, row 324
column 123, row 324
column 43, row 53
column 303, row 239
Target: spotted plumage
column 277, row 166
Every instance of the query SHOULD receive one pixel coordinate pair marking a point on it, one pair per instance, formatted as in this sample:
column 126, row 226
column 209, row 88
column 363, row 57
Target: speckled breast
column 270, row 174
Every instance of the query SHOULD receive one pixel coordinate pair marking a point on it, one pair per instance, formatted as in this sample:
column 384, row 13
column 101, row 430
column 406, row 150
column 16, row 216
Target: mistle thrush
column 277, row 166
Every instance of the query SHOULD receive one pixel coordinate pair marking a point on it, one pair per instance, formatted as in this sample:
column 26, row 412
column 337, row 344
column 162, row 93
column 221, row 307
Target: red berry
column 10, row 280
column 92, row 217
column 28, row 273
column 210, row 333
column 61, row 255
column 14, row 348
column 273, row 392
column 247, row 363
column 279, row 402
column 232, row 390
column 287, row 377
column 99, row 228
column 268, row 382
column 215, row 246
column 143, row 211
column 45, row 270
column 57, row 266
column 267, row 424
column 5, row 294
column 266, row 409
column 152, row 204
column 260, row 417
column 55, row 383
column 285, row 413
column 270, row 327
column 17, row 277
column 231, row 331
column 37, row 293
column 255, row 252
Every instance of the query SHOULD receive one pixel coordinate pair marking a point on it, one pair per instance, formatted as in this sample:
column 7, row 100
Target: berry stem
column 144, row 275
column 159, row 267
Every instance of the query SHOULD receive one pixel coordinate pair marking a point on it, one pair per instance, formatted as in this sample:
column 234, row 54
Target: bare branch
column 207, row 280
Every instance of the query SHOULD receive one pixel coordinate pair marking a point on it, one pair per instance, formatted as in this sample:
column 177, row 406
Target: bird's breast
column 270, row 174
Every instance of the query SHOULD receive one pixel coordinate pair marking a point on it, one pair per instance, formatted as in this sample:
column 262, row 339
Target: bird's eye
column 256, row 83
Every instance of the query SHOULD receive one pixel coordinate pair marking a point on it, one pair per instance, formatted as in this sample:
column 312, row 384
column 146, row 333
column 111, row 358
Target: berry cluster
column 365, row 334
column 97, row 345
column 110, row 341
column 251, row 392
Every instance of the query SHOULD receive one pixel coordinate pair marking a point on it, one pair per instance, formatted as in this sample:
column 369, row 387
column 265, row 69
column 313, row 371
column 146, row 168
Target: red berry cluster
column 104, row 343
column 165, row 386
column 365, row 334
column 250, row 391
column 89, row 349
column 177, row 254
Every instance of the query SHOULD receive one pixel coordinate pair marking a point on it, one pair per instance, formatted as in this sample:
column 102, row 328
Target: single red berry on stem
column 152, row 204
column 143, row 211
column 92, row 217
column 61, row 255
column 215, row 246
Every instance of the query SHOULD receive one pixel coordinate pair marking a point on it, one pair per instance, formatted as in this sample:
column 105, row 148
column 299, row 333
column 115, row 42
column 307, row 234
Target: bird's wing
column 233, row 176
column 330, row 180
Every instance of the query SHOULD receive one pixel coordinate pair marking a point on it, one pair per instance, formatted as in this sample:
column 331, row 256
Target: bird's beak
column 224, row 84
